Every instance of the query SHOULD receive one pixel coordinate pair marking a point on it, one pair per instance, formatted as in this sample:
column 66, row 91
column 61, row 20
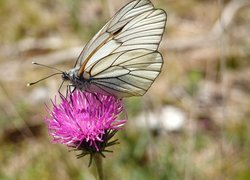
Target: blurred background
column 192, row 124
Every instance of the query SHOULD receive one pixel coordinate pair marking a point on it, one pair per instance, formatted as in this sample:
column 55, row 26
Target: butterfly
column 122, row 58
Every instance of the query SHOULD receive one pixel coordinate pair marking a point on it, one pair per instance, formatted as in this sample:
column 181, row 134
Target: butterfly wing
column 133, row 32
column 128, row 73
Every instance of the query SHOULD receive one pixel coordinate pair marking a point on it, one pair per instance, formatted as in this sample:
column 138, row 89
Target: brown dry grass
column 208, row 81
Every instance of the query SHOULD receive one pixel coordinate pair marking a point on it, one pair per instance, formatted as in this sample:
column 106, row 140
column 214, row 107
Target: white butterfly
column 122, row 58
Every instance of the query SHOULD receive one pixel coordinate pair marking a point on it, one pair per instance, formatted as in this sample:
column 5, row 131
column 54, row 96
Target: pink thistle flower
column 85, row 121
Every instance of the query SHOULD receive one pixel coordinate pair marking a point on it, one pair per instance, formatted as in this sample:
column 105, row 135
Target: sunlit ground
column 192, row 124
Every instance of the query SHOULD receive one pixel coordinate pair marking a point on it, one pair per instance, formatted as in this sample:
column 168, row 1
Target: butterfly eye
column 65, row 76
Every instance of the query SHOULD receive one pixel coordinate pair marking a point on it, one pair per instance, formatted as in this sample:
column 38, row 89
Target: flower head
column 85, row 121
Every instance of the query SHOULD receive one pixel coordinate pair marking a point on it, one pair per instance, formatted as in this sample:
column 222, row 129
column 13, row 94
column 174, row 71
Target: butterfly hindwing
column 129, row 73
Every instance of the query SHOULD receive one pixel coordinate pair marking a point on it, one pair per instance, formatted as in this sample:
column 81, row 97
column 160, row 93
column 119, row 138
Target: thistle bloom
column 85, row 121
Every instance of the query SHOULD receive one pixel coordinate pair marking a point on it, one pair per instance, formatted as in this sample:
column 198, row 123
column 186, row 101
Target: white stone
column 169, row 118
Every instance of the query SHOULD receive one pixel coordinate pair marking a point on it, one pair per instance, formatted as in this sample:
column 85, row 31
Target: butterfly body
column 122, row 58
column 81, row 82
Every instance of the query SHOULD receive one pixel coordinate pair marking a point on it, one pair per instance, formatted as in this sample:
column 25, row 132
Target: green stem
column 98, row 163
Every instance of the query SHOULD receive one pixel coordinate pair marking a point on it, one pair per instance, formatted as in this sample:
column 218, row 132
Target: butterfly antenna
column 30, row 84
column 38, row 64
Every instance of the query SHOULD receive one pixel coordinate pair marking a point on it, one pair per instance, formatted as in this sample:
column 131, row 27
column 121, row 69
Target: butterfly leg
column 97, row 98
column 69, row 90
column 59, row 90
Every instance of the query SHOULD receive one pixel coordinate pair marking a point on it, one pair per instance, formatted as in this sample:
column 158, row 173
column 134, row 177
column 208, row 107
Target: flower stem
column 99, row 167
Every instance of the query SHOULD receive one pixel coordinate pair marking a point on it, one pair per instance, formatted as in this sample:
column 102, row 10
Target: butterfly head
column 69, row 75
column 72, row 76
